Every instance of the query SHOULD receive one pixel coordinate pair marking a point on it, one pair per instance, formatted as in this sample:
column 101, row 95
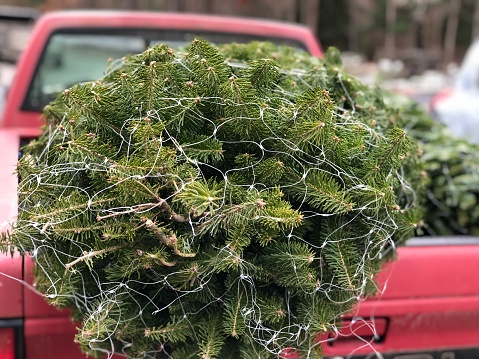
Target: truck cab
column 66, row 48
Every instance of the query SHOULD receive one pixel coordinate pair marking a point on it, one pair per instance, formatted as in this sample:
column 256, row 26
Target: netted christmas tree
column 218, row 203
column 451, row 205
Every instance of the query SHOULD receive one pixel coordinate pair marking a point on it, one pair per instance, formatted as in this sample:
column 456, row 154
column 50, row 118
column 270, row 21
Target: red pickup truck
column 429, row 306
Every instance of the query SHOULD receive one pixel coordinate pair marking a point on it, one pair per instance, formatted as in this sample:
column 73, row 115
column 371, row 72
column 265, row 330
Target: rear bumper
column 429, row 300
column 463, row 353
column 426, row 327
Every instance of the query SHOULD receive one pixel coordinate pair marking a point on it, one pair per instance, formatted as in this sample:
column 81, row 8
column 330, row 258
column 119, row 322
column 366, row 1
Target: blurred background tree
column 423, row 33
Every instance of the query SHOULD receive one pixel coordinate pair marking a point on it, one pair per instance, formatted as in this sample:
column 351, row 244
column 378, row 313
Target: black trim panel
column 462, row 353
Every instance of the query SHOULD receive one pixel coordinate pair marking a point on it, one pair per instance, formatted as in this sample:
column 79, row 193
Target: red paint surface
column 7, row 343
column 51, row 338
column 10, row 287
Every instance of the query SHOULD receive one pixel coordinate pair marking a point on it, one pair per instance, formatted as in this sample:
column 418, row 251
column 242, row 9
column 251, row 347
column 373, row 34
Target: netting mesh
column 215, row 204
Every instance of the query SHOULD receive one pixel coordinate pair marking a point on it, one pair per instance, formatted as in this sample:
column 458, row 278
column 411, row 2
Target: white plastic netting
column 169, row 219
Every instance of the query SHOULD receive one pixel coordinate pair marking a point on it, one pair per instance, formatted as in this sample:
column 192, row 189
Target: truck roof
column 181, row 21
column 138, row 19
column 91, row 20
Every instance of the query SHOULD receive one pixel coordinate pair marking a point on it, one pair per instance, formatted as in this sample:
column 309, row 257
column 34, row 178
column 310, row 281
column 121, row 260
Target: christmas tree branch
column 234, row 333
column 87, row 109
column 345, row 267
column 89, row 255
column 220, row 217
column 82, row 205
column 154, row 195
column 137, row 209
column 169, row 241
column 164, row 333
column 6, row 243
column 164, row 206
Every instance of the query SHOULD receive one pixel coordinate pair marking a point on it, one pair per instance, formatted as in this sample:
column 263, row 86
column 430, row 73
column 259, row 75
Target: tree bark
column 308, row 12
column 390, row 36
column 353, row 41
column 451, row 31
column 475, row 24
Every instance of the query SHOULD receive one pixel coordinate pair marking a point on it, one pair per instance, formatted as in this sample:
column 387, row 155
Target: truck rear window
column 71, row 57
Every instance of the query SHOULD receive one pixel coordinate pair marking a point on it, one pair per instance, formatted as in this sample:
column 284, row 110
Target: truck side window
column 72, row 58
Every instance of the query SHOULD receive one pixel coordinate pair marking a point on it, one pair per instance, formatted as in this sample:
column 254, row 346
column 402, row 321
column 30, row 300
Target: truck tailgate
column 428, row 307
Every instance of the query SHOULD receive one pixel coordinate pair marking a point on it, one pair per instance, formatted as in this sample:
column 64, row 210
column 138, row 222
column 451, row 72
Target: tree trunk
column 432, row 31
column 390, row 36
column 475, row 24
column 353, row 42
column 451, row 31
column 308, row 12
column 174, row 5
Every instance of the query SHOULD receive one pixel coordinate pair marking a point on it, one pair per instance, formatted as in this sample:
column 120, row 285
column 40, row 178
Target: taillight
column 7, row 343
